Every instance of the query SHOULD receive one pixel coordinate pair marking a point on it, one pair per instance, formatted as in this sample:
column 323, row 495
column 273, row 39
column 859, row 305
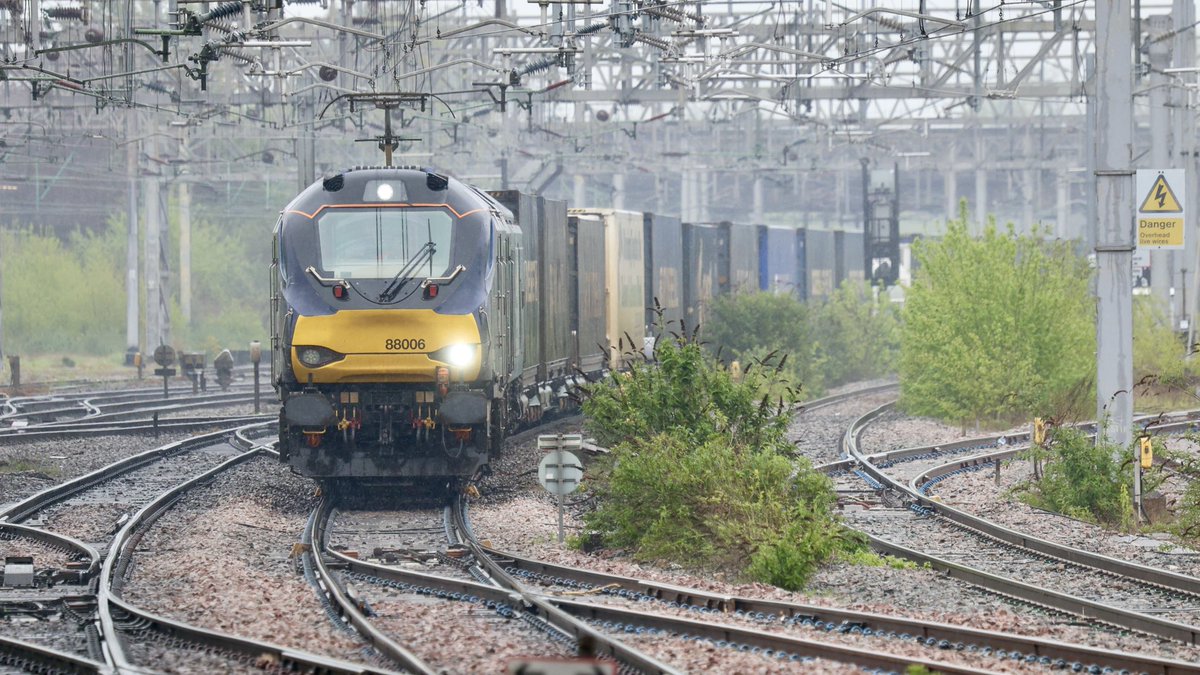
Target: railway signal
column 164, row 356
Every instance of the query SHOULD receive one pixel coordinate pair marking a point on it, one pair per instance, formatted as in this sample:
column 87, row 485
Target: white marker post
column 560, row 471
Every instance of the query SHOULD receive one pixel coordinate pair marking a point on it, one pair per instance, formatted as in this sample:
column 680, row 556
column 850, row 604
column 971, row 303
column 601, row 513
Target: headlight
column 315, row 357
column 459, row 355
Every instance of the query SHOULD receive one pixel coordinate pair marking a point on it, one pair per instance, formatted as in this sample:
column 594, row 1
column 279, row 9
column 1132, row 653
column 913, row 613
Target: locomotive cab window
column 380, row 243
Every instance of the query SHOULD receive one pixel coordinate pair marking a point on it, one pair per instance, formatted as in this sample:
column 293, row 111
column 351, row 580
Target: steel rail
column 470, row 590
column 62, row 541
column 129, row 426
column 42, row 659
column 316, row 533
column 90, row 411
column 817, row 403
column 40, row 500
column 1155, row 576
column 117, row 563
column 729, row 604
column 719, row 632
column 1108, row 613
column 539, row 606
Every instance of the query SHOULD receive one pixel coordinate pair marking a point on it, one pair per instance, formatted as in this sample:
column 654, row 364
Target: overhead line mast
column 1113, row 134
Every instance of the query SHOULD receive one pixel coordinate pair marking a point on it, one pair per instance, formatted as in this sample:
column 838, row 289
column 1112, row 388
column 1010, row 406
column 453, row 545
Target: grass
column 869, row 558
column 25, row 465
column 57, row 367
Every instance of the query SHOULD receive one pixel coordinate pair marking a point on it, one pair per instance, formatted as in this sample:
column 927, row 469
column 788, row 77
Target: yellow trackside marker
column 1146, row 447
column 1161, row 198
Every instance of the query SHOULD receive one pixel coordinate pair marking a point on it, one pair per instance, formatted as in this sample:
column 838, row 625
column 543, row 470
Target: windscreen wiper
column 405, row 274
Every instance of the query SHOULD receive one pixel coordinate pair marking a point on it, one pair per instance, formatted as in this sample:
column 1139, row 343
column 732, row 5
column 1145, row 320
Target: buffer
column 1160, row 198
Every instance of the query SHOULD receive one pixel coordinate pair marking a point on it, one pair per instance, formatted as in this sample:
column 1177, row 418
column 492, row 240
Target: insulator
column 538, row 66
column 237, row 55
column 666, row 12
column 592, row 28
column 65, row 13
column 159, row 87
column 222, row 10
column 225, row 27
column 652, row 41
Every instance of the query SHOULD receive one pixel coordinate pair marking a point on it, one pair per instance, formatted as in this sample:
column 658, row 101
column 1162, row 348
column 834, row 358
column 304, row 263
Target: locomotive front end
column 380, row 340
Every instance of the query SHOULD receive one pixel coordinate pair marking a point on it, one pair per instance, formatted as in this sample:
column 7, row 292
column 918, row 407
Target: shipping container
column 555, row 287
column 743, row 258
column 820, row 263
column 586, row 255
column 524, row 208
column 777, row 264
column 705, row 269
column 625, row 276
column 663, row 236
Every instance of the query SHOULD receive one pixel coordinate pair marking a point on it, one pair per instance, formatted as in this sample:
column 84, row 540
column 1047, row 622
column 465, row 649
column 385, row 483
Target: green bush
column 996, row 327
column 1158, row 353
column 847, row 337
column 857, row 333
column 699, row 471
column 687, row 395
column 1086, row 480
column 1183, row 466
column 66, row 293
column 63, row 295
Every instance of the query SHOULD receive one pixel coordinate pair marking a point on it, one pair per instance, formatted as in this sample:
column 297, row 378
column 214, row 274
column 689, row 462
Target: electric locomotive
column 395, row 326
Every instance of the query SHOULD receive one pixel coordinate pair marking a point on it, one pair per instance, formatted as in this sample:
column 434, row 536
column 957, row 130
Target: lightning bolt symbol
column 1160, row 194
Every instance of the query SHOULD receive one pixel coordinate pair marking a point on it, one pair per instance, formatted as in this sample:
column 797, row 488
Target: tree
column 857, row 333
column 995, row 327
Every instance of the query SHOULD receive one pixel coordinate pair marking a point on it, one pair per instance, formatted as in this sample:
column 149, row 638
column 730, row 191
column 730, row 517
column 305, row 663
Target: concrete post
column 757, row 216
column 1113, row 134
column 981, row 191
column 150, row 186
column 1062, row 227
column 618, row 197
column 185, row 251
column 131, row 241
column 950, row 189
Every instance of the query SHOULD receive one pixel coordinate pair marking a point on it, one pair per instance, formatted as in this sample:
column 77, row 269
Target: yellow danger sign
column 1161, row 198
column 1160, row 232
column 1162, row 216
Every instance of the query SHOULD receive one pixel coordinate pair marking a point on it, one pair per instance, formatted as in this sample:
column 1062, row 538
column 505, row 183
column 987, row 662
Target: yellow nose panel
column 384, row 345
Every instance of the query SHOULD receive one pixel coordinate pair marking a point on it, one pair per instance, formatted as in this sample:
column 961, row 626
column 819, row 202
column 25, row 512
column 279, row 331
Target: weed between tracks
column 35, row 467
column 701, row 472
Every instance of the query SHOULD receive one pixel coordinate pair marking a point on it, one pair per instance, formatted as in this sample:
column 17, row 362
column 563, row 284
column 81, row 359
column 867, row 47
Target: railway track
column 938, row 637
column 115, row 635
column 482, row 587
column 88, row 413
column 135, row 638
column 1145, row 599
column 88, row 509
